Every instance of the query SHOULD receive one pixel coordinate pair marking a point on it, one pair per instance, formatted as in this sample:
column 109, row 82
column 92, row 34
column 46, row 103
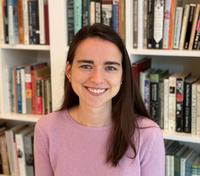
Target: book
column 177, row 27
column 106, row 8
column 19, row 138
column 150, row 23
column 4, row 155
column 158, row 24
column 184, row 25
column 194, row 25
column 187, row 103
column 139, row 66
column 11, row 146
column 70, row 20
column 189, row 25
column 180, row 101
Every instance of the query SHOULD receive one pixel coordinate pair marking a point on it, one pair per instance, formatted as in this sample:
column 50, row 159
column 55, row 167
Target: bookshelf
column 55, row 54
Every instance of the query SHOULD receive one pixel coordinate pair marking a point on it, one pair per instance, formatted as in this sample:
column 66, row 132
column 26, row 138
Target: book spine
column 5, row 13
column 122, row 21
column 28, row 151
column 189, row 26
column 28, row 87
column 194, row 24
column 41, row 21
column 171, row 24
column 158, row 23
column 197, row 34
column 145, row 24
column 39, row 103
column 172, row 103
column 187, row 107
column 34, row 36
column 135, row 23
column 167, row 12
column 20, row 21
column 98, row 11
column 161, row 97
column 106, row 8
column 46, row 22
column 23, row 90
column 26, row 21
column 115, row 15
column 85, row 12
column 177, row 27
column 77, row 16
column 70, row 20
column 194, row 109
column 198, row 110
column 141, row 23
column 184, row 25
column 19, row 92
column 20, row 153
column 166, row 104
column 48, row 95
column 2, row 33
column 4, row 155
column 150, row 23
column 92, row 12
column 179, row 104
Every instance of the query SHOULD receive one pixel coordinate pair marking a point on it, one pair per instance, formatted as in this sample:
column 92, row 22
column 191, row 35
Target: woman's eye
column 86, row 66
column 110, row 68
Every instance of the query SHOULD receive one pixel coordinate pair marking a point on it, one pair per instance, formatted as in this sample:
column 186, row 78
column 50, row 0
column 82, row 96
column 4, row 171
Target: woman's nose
column 97, row 76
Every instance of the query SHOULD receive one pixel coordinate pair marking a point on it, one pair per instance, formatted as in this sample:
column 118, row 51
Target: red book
column 138, row 67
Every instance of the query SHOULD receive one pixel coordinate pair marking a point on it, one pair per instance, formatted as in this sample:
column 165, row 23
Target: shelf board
column 20, row 117
column 162, row 52
column 26, row 47
column 183, row 137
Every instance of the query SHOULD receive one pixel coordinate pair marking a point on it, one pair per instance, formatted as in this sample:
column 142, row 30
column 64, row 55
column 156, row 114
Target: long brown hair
column 126, row 105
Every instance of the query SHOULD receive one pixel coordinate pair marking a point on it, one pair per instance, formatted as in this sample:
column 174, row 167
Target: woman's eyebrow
column 112, row 63
column 85, row 61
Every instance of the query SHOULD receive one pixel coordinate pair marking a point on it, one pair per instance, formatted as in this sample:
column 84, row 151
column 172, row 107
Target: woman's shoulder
column 52, row 119
column 148, row 129
column 144, row 122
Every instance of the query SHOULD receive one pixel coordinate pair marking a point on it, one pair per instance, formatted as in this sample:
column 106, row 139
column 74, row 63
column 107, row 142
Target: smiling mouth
column 96, row 91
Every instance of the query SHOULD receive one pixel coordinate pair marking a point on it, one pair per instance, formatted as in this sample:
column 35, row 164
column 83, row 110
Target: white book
column 92, row 12
column 198, row 108
column 194, row 109
column 166, row 104
column 177, row 27
column 19, row 137
column 41, row 21
column 184, row 25
column 23, row 90
column 11, row 146
column 172, row 102
column 166, row 23
column 140, row 24
column 26, row 21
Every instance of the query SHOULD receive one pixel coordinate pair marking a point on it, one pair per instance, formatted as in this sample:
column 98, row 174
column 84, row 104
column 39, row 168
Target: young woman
column 102, row 127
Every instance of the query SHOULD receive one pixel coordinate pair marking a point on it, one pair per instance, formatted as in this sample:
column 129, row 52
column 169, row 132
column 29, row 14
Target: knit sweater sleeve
column 153, row 160
column 41, row 153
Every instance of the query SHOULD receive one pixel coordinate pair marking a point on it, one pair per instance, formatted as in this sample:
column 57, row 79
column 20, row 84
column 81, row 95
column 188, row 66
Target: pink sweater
column 63, row 147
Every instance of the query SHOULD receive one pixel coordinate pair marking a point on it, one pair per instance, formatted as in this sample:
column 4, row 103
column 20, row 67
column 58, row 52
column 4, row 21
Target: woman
column 102, row 127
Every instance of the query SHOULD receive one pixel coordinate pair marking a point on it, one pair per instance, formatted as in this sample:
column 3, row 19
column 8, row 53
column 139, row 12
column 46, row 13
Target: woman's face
column 96, row 72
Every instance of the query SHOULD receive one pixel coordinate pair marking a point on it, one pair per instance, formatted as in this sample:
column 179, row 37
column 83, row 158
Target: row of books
column 31, row 89
column 173, row 99
column 87, row 12
column 181, row 160
column 24, row 22
column 167, row 24
column 16, row 150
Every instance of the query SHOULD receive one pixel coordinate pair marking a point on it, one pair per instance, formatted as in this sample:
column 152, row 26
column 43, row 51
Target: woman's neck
column 94, row 117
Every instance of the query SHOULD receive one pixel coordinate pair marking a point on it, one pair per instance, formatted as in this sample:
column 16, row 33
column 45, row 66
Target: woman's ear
column 68, row 71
